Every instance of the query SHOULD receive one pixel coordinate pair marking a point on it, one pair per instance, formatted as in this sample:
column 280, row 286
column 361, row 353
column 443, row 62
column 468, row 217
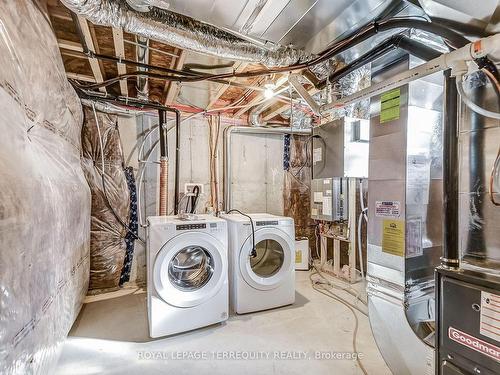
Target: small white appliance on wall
column 263, row 279
column 187, row 273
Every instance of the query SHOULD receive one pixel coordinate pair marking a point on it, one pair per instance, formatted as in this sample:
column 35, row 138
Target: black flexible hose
column 396, row 41
column 454, row 39
column 194, row 198
column 253, row 253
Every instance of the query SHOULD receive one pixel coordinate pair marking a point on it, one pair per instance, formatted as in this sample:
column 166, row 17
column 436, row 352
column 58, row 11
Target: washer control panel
column 190, row 226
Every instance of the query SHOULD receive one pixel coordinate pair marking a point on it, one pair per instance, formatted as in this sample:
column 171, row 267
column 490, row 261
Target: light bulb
column 268, row 93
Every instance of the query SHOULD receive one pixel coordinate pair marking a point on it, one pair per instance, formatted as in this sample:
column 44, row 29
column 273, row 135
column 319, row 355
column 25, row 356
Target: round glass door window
column 268, row 258
column 191, row 268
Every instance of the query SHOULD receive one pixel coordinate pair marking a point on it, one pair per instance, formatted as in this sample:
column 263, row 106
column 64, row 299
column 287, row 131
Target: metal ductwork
column 405, row 216
column 183, row 32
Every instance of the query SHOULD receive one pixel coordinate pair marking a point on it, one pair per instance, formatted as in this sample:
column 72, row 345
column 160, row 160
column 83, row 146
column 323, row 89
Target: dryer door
column 272, row 261
column 189, row 269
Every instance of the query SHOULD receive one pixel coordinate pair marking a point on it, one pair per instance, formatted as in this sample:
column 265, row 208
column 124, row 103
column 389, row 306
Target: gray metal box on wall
column 340, row 148
column 329, row 199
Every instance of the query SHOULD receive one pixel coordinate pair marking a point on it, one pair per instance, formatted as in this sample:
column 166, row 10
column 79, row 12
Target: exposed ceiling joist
column 248, row 105
column 172, row 88
column 58, row 12
column 120, row 53
column 80, row 77
column 283, row 107
column 70, row 45
column 222, row 88
column 94, row 63
column 258, row 98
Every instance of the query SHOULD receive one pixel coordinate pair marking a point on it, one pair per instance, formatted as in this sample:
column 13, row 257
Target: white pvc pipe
column 455, row 60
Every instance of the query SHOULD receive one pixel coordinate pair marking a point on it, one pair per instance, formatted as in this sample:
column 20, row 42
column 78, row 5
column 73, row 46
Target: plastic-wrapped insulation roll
column 102, row 163
column 44, row 198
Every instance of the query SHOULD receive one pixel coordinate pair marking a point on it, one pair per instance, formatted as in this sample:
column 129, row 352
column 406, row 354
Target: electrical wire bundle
column 453, row 40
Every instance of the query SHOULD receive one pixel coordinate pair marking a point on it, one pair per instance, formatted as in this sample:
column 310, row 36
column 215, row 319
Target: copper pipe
column 163, row 186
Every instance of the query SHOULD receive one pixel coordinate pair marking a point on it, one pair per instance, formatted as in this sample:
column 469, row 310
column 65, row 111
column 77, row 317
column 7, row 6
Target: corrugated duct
column 183, row 32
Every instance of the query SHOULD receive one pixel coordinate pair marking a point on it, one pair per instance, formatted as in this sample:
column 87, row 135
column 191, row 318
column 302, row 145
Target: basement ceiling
column 280, row 21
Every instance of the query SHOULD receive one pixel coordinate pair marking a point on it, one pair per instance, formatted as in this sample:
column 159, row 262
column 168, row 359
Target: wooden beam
column 73, row 54
column 94, row 63
column 251, row 103
column 222, row 88
column 283, row 107
column 59, row 12
column 69, row 45
column 80, row 77
column 259, row 97
column 120, row 53
column 172, row 89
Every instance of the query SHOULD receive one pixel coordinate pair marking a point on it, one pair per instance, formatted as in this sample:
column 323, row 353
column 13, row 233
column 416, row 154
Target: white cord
column 360, row 222
column 101, row 144
column 360, row 249
column 351, row 308
column 347, row 288
column 473, row 106
column 142, row 169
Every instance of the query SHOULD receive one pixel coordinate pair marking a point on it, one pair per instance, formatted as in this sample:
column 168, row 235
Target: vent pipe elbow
column 255, row 116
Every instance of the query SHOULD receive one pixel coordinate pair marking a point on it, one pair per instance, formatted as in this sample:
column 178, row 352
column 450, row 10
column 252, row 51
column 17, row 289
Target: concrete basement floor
column 111, row 337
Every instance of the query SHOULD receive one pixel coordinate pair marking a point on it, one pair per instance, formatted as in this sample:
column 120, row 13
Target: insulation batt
column 107, row 236
column 296, row 190
column 44, row 198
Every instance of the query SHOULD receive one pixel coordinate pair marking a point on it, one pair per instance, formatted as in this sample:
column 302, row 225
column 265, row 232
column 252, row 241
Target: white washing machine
column 266, row 279
column 187, row 271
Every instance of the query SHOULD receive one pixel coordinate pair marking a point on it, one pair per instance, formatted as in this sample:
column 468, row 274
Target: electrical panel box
column 340, row 148
column 329, row 200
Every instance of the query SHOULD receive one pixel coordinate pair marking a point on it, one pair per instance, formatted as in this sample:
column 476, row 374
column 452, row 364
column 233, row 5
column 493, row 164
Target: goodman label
column 474, row 343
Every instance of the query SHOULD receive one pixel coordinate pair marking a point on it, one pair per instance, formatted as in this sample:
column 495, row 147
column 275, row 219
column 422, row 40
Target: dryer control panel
column 264, row 223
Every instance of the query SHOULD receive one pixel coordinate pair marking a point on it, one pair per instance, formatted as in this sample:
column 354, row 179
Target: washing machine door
column 272, row 261
column 189, row 269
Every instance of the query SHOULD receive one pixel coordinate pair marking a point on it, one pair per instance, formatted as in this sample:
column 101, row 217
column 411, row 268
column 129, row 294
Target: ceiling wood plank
column 283, row 107
column 222, row 88
column 80, row 77
column 94, row 63
column 70, row 45
column 172, row 88
column 58, row 12
column 120, row 53
column 282, row 80
column 248, row 105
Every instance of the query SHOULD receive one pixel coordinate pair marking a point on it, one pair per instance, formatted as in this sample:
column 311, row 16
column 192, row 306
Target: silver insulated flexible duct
column 182, row 32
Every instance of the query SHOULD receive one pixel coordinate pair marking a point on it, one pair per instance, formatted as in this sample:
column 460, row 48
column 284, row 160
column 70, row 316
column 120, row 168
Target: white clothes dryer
column 265, row 279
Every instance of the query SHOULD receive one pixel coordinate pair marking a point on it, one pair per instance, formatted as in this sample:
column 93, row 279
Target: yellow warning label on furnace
column 389, row 105
column 393, row 237
column 298, row 256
